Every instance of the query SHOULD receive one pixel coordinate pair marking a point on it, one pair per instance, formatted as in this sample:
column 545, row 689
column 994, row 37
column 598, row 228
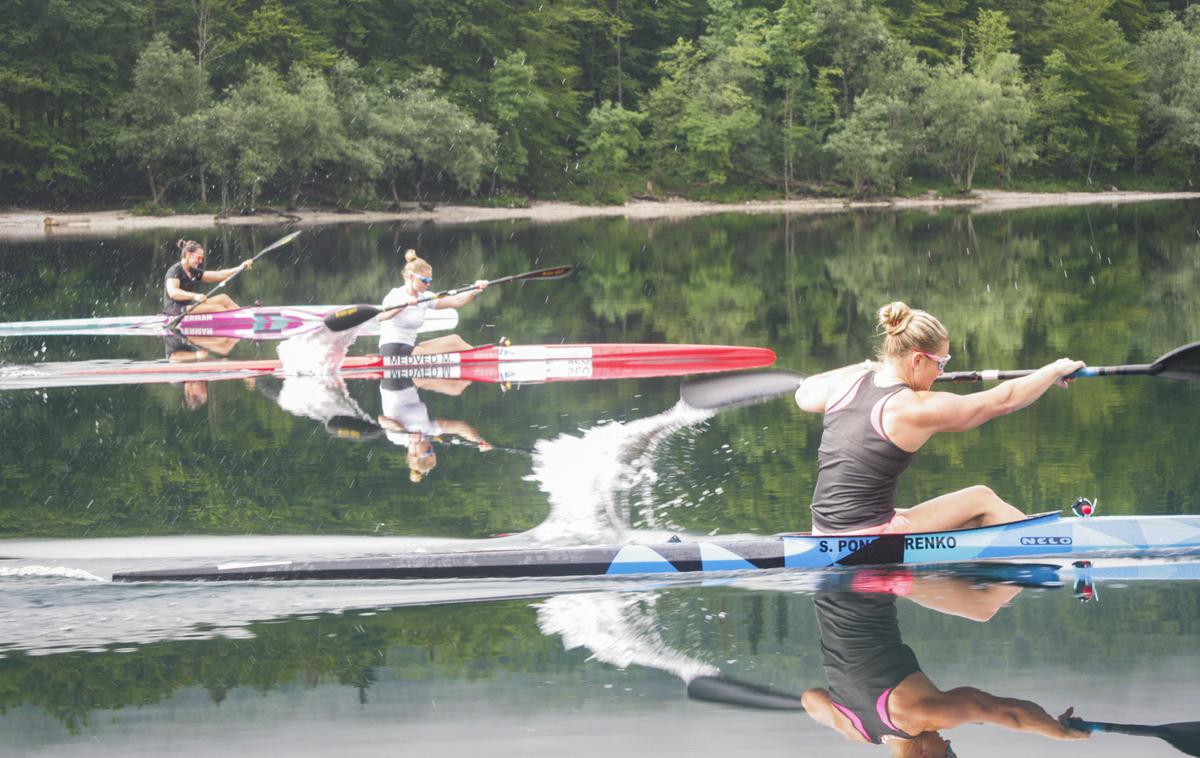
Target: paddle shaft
column 348, row 318
column 1140, row 730
column 992, row 375
column 276, row 244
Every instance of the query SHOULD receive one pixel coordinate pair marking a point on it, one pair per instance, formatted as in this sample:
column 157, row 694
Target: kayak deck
column 1044, row 535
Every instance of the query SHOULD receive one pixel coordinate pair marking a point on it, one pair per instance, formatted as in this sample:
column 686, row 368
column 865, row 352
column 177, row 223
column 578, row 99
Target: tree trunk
column 155, row 191
column 620, row 90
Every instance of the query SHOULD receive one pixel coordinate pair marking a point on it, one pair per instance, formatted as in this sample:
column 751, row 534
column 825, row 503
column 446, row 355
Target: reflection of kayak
column 489, row 363
column 1046, row 535
column 252, row 322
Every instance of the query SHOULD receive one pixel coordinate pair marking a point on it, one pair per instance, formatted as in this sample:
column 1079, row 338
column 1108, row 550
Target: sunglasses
column 426, row 279
column 939, row 360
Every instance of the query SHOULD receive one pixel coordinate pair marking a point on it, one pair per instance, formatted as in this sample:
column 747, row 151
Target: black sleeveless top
column 187, row 282
column 864, row 658
column 858, row 467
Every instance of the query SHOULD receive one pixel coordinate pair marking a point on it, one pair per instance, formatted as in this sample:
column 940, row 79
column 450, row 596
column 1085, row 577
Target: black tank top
column 858, row 467
column 864, row 658
column 187, row 282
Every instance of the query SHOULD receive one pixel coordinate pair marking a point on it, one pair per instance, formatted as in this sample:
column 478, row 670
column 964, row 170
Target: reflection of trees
column 808, row 286
column 483, row 642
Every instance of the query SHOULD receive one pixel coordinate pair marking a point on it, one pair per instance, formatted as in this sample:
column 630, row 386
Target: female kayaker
column 879, row 414
column 406, row 421
column 181, row 280
column 877, row 692
column 399, row 325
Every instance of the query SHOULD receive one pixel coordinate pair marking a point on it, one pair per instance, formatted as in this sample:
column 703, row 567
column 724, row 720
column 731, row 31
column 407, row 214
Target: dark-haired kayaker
column 184, row 276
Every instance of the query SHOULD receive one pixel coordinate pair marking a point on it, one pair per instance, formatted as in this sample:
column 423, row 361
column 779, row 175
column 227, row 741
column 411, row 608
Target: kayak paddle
column 173, row 323
column 1180, row 363
column 1184, row 737
column 352, row 316
column 730, row 390
column 715, row 689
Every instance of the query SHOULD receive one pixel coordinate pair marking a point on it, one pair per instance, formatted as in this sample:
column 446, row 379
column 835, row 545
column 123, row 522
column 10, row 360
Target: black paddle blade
column 1183, row 736
column 350, row 317
column 558, row 272
column 745, row 388
column 714, row 689
column 352, row 428
column 1180, row 363
column 279, row 243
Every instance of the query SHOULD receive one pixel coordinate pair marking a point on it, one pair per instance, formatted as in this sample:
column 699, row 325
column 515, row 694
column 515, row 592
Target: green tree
column 708, row 107
column 517, row 106
column 608, row 143
column 864, row 148
column 62, row 68
column 1170, row 57
column 1092, row 65
column 979, row 116
column 422, row 135
column 788, row 40
column 154, row 131
column 308, row 128
column 852, row 34
column 932, row 27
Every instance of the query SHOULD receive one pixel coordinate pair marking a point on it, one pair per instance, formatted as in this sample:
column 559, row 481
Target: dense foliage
column 240, row 102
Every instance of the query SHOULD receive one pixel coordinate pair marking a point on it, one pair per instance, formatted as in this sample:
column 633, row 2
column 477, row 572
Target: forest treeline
column 238, row 103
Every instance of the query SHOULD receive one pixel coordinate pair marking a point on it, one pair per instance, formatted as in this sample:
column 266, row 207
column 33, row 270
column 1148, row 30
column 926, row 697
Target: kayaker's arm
column 931, row 412
column 220, row 275
column 461, row 299
column 815, row 393
column 175, row 292
column 968, row 705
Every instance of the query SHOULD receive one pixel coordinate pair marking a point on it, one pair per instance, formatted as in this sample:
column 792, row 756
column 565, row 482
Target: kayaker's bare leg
column 214, row 304
column 966, row 508
column 451, row 343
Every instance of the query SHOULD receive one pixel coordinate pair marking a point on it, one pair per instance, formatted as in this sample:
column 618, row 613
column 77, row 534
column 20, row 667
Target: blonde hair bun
column 410, row 255
column 894, row 318
column 907, row 329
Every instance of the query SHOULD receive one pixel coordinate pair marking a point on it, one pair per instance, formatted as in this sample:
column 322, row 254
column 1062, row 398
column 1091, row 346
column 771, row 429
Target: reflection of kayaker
column 406, row 421
column 404, row 315
column 877, row 692
column 877, row 416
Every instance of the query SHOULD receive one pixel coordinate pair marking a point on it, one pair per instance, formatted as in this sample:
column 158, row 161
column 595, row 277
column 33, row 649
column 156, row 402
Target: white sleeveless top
column 403, row 327
column 406, row 407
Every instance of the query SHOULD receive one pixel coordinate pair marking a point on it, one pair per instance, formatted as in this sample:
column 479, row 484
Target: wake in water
column 48, row 572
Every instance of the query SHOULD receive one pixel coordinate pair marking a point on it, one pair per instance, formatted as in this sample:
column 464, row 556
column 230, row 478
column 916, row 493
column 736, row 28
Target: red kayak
column 488, row 363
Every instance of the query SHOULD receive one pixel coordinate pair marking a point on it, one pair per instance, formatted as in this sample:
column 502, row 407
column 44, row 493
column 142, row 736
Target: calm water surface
column 102, row 478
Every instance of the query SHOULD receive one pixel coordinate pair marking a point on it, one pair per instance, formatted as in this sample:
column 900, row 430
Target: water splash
column 589, row 505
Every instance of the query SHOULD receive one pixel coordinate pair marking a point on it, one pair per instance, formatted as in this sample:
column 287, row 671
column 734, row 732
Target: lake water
column 95, row 479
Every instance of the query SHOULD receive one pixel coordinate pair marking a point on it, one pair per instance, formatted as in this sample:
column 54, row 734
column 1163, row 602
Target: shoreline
column 32, row 225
